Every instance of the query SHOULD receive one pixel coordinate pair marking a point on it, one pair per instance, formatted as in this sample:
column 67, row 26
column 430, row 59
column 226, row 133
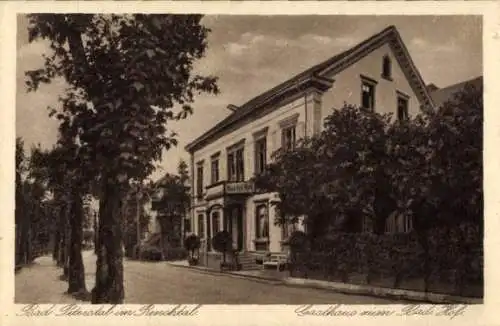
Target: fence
column 452, row 265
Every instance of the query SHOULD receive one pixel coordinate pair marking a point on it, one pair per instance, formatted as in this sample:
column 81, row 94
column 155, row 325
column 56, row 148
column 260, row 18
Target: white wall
column 311, row 108
column 271, row 121
column 347, row 85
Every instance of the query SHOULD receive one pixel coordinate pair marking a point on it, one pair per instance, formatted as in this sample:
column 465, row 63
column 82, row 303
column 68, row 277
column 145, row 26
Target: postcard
column 246, row 162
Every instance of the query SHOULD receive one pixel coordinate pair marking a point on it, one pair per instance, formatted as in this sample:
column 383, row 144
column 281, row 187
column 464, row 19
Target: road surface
column 161, row 283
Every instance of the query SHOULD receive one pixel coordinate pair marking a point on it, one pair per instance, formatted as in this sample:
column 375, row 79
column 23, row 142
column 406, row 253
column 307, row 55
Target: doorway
column 235, row 225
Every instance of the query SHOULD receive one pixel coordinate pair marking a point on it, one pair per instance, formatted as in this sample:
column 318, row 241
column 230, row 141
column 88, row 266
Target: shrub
column 192, row 243
column 223, row 243
column 343, row 254
column 396, row 256
column 297, row 241
column 175, row 254
column 150, row 253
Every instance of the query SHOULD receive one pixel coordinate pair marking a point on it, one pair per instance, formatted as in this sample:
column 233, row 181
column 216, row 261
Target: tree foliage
column 35, row 210
column 367, row 165
column 331, row 178
column 127, row 76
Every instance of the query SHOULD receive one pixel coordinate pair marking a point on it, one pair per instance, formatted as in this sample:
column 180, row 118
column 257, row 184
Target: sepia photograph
column 250, row 159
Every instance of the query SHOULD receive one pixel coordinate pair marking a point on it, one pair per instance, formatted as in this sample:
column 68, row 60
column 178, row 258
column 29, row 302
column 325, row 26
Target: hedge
column 175, row 254
column 451, row 259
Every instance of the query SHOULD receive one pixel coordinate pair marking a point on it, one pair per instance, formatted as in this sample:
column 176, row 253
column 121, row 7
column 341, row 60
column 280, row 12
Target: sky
column 251, row 54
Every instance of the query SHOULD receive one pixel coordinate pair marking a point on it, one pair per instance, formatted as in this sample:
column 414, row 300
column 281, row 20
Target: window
column 236, row 165
column 368, row 95
column 187, row 225
column 260, row 155
column 199, row 181
column 366, row 225
column 215, row 223
column 399, row 223
column 231, row 167
column 386, row 67
column 215, row 170
column 408, row 226
column 201, row 226
column 262, row 221
column 240, row 168
column 288, row 138
column 402, row 107
column 287, row 229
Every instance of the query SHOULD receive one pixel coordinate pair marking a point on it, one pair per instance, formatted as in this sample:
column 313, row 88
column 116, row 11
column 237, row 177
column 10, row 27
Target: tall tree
column 331, row 178
column 436, row 172
column 64, row 171
column 136, row 218
column 172, row 206
column 128, row 75
column 427, row 168
column 21, row 223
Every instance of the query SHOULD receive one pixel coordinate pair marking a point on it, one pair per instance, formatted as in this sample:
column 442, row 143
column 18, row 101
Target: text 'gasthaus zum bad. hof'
column 450, row 311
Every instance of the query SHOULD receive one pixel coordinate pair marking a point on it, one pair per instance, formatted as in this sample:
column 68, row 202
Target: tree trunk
column 57, row 231
column 109, row 272
column 29, row 245
column 23, row 239
column 66, row 245
column 96, row 233
column 67, row 249
column 27, row 221
column 76, row 281
column 60, row 257
column 57, row 240
column 62, row 235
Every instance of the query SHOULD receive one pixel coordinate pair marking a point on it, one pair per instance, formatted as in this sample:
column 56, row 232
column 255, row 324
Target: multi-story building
column 378, row 74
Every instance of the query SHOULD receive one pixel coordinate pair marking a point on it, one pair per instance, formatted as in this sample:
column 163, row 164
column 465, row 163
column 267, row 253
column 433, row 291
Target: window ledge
column 214, row 184
column 261, row 240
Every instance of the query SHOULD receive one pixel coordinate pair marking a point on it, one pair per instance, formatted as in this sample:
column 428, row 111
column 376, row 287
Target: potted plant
column 192, row 243
column 223, row 243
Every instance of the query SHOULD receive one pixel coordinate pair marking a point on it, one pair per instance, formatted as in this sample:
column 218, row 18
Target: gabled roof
column 441, row 95
column 318, row 74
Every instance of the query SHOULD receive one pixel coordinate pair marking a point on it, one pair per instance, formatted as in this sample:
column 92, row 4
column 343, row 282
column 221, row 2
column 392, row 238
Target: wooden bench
column 276, row 260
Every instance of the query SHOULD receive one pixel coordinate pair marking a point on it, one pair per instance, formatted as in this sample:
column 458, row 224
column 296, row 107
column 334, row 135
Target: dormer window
column 387, row 68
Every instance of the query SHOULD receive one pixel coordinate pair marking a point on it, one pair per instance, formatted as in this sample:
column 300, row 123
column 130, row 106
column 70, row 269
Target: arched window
column 386, row 67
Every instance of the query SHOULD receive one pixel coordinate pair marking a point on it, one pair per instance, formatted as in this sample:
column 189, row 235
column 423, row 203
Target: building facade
column 377, row 73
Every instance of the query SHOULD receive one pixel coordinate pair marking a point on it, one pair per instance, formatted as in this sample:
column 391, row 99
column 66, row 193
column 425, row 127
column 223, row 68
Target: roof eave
column 319, row 82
